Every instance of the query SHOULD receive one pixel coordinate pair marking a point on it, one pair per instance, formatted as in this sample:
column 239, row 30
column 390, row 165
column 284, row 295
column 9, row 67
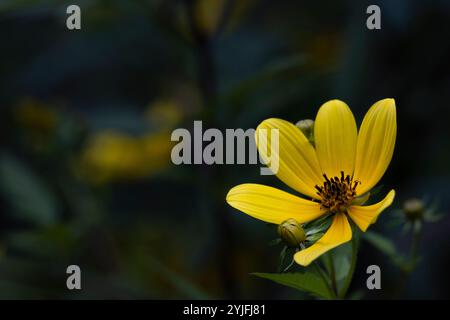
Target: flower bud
column 292, row 233
column 307, row 127
column 413, row 208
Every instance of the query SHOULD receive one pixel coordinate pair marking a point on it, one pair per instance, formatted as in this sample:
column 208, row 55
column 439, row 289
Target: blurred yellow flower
column 117, row 156
column 208, row 15
column 156, row 149
column 38, row 122
column 113, row 155
column 342, row 166
column 164, row 114
column 36, row 116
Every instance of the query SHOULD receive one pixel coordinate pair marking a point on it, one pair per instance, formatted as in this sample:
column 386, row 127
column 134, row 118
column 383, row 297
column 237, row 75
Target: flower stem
column 332, row 273
column 415, row 244
column 209, row 176
column 324, row 279
column 349, row 278
column 289, row 266
column 412, row 261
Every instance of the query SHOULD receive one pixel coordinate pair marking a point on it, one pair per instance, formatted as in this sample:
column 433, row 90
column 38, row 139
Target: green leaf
column 319, row 225
column 308, row 281
column 342, row 258
column 51, row 241
column 381, row 243
column 182, row 284
column 27, row 195
column 314, row 237
column 431, row 215
column 386, row 246
column 359, row 201
column 272, row 71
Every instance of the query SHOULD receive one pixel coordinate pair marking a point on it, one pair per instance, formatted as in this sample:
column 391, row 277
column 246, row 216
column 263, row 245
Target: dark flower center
column 337, row 193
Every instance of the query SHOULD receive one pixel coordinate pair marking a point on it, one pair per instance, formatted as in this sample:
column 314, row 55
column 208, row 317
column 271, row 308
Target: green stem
column 412, row 261
column 349, row 278
column 209, row 177
column 324, row 279
column 415, row 244
column 289, row 266
column 332, row 273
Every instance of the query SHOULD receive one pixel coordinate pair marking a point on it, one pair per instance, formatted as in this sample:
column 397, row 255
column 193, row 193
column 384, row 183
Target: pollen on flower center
column 337, row 193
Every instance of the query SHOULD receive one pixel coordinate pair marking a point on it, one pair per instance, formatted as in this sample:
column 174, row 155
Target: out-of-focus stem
column 210, row 175
column 413, row 257
column 415, row 245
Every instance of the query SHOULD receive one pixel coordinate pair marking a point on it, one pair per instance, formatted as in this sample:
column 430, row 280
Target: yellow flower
column 342, row 166
column 117, row 156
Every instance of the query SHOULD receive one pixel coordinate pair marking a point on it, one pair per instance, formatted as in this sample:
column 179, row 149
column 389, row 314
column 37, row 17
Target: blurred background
column 86, row 117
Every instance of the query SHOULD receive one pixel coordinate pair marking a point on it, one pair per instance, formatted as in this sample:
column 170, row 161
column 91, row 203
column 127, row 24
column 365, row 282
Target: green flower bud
column 413, row 208
column 307, row 127
column 292, row 233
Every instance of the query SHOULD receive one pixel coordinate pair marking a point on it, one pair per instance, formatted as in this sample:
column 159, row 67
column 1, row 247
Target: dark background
column 86, row 118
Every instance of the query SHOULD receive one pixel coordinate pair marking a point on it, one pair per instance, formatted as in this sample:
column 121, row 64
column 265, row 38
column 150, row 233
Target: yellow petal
column 364, row 216
column 298, row 166
column 272, row 205
column 338, row 233
column 376, row 141
column 335, row 135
